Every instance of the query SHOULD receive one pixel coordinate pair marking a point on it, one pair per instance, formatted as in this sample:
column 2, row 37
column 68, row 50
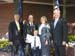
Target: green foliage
column 71, row 37
column 3, row 44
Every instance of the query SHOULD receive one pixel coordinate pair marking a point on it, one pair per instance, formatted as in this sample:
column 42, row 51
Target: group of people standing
column 36, row 38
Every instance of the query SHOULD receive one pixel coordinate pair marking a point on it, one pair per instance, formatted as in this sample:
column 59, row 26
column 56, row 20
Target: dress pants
column 35, row 52
column 17, row 50
column 28, row 49
column 60, row 51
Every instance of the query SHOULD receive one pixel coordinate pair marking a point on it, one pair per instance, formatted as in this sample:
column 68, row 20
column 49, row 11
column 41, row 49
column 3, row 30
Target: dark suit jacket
column 60, row 32
column 28, row 29
column 15, row 36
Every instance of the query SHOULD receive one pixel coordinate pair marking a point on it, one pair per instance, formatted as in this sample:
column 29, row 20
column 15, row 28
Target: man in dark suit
column 16, row 36
column 59, row 33
column 29, row 27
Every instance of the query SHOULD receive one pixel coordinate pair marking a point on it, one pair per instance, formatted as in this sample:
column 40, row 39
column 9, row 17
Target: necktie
column 34, row 42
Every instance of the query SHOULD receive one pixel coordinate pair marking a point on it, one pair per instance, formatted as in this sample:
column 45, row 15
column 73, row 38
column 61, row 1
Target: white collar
column 56, row 19
column 30, row 23
column 16, row 21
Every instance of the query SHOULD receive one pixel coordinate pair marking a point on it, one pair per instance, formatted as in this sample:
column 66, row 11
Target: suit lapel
column 28, row 24
column 52, row 25
column 16, row 26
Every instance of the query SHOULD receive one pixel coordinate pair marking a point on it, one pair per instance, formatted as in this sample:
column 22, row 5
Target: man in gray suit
column 59, row 31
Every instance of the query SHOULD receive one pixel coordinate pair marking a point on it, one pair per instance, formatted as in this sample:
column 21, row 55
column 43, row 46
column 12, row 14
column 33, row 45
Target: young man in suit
column 16, row 36
column 59, row 31
column 28, row 29
column 29, row 26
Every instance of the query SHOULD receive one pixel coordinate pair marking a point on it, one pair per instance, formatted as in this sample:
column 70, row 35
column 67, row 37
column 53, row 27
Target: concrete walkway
column 5, row 54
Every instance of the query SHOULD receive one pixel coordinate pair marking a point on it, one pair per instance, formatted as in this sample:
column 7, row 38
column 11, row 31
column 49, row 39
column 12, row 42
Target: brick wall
column 6, row 15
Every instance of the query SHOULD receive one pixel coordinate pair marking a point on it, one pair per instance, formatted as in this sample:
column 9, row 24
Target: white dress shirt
column 30, row 39
column 18, row 25
column 30, row 23
column 55, row 22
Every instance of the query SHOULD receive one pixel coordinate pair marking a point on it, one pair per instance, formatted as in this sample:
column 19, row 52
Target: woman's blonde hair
column 46, row 21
